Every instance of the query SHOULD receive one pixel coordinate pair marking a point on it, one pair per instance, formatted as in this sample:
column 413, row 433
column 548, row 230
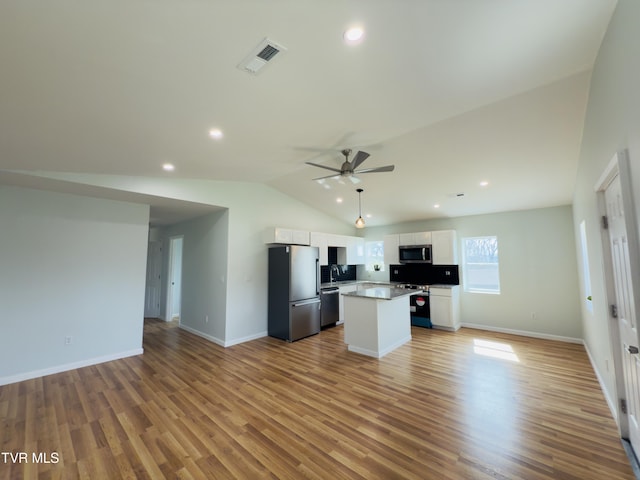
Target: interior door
column 153, row 284
column 625, row 306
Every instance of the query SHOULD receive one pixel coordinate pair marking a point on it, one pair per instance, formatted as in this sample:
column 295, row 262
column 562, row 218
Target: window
column 480, row 264
column 585, row 266
column 374, row 255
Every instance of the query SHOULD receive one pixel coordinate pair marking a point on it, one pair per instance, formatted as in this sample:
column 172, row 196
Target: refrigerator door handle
column 306, row 302
column 318, row 276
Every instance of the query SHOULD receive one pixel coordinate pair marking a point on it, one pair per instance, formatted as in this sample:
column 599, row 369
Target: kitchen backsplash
column 345, row 272
column 424, row 274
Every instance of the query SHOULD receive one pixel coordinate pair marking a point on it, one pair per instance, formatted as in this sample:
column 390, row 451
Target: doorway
column 174, row 280
column 621, row 255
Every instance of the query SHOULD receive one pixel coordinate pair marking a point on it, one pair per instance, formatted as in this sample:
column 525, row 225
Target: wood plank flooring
column 439, row 407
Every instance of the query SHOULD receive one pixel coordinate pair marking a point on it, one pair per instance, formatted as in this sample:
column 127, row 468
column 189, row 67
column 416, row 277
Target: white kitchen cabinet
column 422, row 238
column 352, row 287
column 286, row 236
column 319, row 240
column 391, row 244
column 337, row 240
column 443, row 247
column 415, row 238
column 355, row 251
column 444, row 303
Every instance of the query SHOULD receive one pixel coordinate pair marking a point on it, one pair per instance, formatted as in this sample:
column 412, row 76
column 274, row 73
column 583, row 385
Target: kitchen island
column 377, row 320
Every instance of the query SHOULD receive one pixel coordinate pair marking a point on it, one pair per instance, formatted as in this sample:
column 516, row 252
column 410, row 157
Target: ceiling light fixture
column 353, row 35
column 484, row 183
column 167, row 167
column 215, row 133
column 359, row 220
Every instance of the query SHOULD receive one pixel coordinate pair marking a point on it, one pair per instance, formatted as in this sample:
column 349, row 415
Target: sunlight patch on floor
column 495, row 350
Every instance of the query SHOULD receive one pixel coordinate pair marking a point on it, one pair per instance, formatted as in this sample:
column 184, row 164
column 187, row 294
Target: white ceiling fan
column 348, row 168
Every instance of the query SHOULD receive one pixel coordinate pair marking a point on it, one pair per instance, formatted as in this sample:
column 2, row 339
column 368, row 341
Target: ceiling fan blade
column 386, row 168
column 328, row 176
column 324, row 166
column 359, row 158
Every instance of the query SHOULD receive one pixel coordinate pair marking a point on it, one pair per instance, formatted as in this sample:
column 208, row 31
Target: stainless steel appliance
column 330, row 300
column 415, row 253
column 294, row 292
column 420, row 309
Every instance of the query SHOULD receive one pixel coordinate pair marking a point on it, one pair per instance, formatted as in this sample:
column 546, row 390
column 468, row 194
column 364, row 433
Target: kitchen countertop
column 381, row 293
column 342, row 283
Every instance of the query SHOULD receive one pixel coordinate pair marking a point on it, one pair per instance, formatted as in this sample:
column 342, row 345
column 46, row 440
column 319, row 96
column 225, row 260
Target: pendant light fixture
column 360, row 220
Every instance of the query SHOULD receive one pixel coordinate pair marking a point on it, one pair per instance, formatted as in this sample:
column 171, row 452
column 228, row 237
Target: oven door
column 420, row 310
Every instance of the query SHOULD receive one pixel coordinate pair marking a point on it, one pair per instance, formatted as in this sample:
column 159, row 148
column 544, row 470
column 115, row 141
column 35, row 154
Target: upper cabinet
column 355, row 251
column 443, row 247
column 286, row 236
column 391, row 244
column 350, row 249
column 417, row 238
column 320, row 240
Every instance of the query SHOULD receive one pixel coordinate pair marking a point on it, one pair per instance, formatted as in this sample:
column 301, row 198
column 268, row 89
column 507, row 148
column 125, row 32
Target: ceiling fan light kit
column 348, row 168
column 360, row 220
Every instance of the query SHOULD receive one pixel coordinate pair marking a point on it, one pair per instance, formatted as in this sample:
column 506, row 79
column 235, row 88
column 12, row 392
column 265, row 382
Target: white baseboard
column 524, row 333
column 611, row 403
column 69, row 366
column 219, row 341
column 236, row 341
column 380, row 353
column 206, row 336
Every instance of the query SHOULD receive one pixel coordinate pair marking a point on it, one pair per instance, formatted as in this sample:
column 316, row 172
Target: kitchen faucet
column 333, row 268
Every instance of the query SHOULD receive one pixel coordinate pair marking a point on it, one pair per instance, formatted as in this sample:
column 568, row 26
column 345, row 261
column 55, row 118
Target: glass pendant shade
column 360, row 220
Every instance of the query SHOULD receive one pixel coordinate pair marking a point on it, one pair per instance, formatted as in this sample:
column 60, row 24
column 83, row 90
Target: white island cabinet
column 376, row 320
column 444, row 304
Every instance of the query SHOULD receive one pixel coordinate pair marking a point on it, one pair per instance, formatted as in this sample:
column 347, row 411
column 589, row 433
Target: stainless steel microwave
column 415, row 253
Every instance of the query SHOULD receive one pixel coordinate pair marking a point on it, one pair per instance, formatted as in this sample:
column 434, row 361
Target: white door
column 625, row 306
column 174, row 296
column 154, row 273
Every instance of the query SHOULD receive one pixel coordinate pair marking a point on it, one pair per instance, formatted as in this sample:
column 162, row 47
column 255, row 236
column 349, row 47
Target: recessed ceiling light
column 484, row 183
column 339, row 200
column 353, row 35
column 215, row 133
column 168, row 167
column 437, row 205
column 368, row 215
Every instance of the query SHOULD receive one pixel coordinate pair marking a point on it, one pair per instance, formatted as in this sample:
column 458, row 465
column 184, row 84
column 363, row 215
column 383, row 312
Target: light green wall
column 612, row 123
column 538, row 272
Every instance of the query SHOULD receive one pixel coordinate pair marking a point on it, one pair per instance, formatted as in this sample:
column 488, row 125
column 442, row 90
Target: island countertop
column 381, row 293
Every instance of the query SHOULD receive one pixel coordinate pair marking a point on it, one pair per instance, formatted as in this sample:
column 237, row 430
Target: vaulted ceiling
column 453, row 93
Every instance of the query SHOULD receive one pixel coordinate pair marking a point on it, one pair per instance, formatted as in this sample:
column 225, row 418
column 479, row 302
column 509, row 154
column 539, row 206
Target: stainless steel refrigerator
column 294, row 292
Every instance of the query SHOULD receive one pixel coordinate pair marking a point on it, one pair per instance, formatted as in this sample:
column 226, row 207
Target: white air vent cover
column 260, row 56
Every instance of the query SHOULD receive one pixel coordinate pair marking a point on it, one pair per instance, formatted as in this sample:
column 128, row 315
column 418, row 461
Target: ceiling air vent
column 260, row 56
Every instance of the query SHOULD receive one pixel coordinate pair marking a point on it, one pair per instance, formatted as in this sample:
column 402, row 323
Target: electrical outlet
column 533, row 315
column 68, row 340
column 206, row 319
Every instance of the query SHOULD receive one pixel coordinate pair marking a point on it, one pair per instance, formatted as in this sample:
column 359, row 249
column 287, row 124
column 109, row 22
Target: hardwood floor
column 439, row 407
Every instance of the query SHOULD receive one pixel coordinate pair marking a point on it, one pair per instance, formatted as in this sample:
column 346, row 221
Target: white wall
column 204, row 273
column 252, row 208
column 612, row 123
column 69, row 266
column 538, row 270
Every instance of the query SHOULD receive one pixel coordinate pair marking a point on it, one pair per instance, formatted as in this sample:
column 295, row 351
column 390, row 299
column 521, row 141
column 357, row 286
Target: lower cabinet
column 344, row 289
column 444, row 303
